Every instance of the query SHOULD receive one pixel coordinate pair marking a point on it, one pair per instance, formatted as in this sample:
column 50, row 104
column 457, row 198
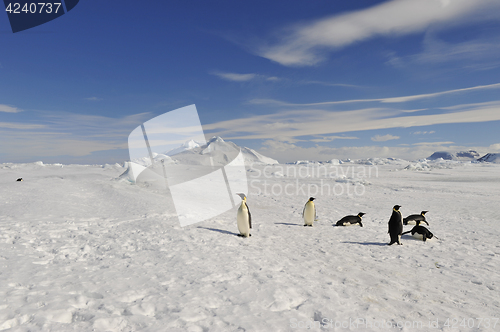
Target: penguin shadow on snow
column 382, row 244
column 219, row 230
column 287, row 224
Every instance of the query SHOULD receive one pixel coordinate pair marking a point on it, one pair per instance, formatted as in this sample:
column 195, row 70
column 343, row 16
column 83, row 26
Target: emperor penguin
column 19, row 179
column 416, row 219
column 244, row 218
column 421, row 233
column 309, row 212
column 351, row 220
column 396, row 225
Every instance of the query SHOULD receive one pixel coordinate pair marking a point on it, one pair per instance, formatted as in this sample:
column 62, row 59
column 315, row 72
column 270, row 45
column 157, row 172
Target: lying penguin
column 19, row 179
column 421, row 233
column 351, row 220
column 416, row 219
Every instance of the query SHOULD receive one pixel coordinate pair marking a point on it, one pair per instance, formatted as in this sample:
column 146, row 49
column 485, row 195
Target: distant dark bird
column 19, row 179
column 351, row 220
column 416, row 219
column 420, row 232
column 395, row 225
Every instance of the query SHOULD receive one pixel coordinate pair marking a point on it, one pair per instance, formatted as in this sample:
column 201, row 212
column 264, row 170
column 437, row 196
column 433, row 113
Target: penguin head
column 396, row 207
column 311, row 199
column 243, row 197
column 423, row 212
column 361, row 214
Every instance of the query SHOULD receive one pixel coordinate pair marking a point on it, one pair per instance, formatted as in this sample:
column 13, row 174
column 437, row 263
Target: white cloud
column 306, row 44
column 310, row 122
column 9, row 109
column 286, row 152
column 424, row 132
column 93, row 98
column 235, row 77
column 22, row 126
column 66, row 134
column 477, row 54
column 433, row 143
column 330, row 138
column 388, row 137
column 389, row 100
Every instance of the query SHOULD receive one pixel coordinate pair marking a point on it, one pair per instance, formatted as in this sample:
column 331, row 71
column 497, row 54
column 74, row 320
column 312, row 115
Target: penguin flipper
column 405, row 233
column 249, row 217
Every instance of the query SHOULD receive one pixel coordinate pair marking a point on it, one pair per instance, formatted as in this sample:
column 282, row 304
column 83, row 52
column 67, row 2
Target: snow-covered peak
column 189, row 145
column 216, row 139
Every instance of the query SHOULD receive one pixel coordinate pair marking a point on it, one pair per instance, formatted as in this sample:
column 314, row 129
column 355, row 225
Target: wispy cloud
column 424, row 132
column 235, row 77
column 9, row 109
column 332, row 84
column 307, row 122
column 433, row 143
column 93, row 98
column 330, row 138
column 401, row 99
column 384, row 138
column 287, row 152
column 22, row 126
column 69, row 134
column 477, row 54
column 307, row 44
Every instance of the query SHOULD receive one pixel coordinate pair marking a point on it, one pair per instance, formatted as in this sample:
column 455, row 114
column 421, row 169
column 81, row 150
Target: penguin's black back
column 395, row 226
column 349, row 219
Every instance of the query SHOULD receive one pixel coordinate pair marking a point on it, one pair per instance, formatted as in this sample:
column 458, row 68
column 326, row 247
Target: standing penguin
column 244, row 218
column 351, row 220
column 396, row 225
column 309, row 212
column 416, row 219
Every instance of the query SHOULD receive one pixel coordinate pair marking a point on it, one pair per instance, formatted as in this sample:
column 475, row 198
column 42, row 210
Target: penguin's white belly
column 309, row 214
column 242, row 219
column 419, row 237
column 412, row 222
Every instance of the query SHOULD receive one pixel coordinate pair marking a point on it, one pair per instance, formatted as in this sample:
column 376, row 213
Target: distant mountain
column 490, row 158
column 471, row 154
column 218, row 152
column 442, row 154
column 462, row 155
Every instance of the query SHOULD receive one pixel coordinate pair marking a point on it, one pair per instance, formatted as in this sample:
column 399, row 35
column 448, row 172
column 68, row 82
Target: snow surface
column 83, row 250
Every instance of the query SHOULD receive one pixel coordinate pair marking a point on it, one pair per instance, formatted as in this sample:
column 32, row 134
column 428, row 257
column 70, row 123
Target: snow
column 82, row 250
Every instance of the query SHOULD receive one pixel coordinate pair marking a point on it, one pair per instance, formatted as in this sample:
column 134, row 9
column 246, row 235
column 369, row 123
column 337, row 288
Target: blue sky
column 291, row 79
